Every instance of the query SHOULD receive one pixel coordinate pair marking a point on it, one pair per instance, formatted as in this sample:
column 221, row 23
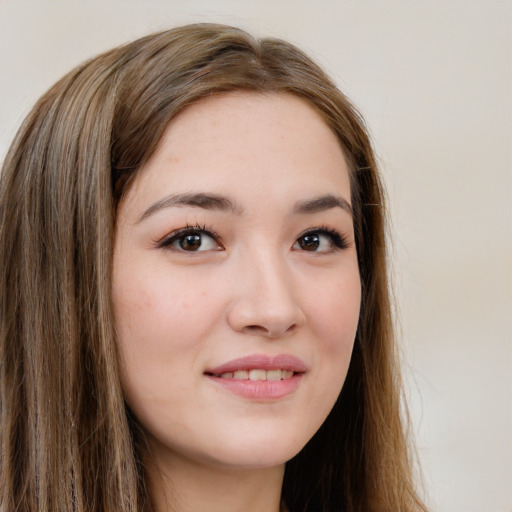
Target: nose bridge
column 272, row 277
column 265, row 302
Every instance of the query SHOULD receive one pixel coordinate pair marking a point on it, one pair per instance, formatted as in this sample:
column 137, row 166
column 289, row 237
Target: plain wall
column 433, row 78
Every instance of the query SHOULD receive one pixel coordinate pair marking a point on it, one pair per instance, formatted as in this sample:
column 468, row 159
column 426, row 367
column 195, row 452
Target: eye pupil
column 190, row 242
column 309, row 242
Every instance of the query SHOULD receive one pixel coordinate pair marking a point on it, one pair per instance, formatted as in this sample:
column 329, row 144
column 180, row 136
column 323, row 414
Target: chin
column 258, row 453
column 253, row 459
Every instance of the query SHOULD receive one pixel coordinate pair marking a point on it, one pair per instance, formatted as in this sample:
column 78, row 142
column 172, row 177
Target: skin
column 256, row 286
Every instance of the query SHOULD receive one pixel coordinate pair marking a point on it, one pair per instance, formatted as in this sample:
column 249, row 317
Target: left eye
column 191, row 241
column 319, row 241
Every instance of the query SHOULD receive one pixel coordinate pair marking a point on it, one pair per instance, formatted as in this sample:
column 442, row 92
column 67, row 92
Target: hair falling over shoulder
column 68, row 441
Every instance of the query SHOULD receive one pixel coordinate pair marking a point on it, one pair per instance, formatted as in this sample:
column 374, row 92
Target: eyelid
column 338, row 240
column 167, row 240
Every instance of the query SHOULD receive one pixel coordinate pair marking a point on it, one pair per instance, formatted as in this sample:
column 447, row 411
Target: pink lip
column 260, row 390
column 279, row 362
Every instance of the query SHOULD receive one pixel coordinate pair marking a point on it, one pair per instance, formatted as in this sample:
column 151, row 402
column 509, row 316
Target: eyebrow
column 199, row 200
column 323, row 203
column 217, row 202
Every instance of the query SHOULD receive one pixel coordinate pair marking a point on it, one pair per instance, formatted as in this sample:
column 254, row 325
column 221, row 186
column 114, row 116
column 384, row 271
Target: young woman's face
column 236, row 286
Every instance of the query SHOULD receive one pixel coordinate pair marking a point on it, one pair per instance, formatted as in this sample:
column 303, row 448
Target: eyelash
column 197, row 229
column 338, row 240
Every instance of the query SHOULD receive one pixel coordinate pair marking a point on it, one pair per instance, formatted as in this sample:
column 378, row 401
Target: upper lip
column 261, row 361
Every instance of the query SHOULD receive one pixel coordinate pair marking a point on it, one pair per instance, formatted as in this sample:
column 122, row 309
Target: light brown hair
column 68, row 442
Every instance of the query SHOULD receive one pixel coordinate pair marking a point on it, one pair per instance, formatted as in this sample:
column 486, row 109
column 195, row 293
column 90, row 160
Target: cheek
column 159, row 335
column 160, row 330
column 334, row 317
column 334, row 312
column 156, row 312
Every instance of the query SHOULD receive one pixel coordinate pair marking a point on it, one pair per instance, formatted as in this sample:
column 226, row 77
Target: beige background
column 433, row 78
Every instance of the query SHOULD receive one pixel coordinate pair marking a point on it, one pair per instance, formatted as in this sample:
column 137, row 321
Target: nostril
column 256, row 329
column 261, row 330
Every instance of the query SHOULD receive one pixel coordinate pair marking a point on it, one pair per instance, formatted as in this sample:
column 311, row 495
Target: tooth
column 287, row 374
column 227, row 375
column 274, row 374
column 241, row 374
column 257, row 375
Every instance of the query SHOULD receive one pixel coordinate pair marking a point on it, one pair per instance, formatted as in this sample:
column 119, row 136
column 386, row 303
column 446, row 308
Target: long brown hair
column 68, row 442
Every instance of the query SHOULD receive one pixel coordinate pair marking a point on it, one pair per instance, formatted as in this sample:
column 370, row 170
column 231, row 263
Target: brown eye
column 309, row 242
column 191, row 240
column 320, row 240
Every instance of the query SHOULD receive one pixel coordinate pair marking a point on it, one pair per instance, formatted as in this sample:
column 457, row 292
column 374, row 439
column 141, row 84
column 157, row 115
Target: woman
column 195, row 310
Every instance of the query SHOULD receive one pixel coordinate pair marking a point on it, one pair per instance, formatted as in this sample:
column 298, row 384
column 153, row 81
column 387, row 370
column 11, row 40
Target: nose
column 265, row 301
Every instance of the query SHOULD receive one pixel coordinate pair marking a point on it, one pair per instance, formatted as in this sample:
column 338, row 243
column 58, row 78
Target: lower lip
column 260, row 390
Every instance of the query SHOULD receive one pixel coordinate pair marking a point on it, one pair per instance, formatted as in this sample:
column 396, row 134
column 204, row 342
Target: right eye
column 191, row 240
column 320, row 240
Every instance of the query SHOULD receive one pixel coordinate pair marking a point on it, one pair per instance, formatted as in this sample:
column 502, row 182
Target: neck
column 180, row 485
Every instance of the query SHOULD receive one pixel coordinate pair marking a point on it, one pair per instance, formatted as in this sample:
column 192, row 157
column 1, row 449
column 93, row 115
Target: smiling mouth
column 260, row 377
column 257, row 374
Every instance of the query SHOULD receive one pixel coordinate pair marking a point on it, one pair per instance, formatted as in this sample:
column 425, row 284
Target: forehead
column 246, row 141
column 239, row 114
